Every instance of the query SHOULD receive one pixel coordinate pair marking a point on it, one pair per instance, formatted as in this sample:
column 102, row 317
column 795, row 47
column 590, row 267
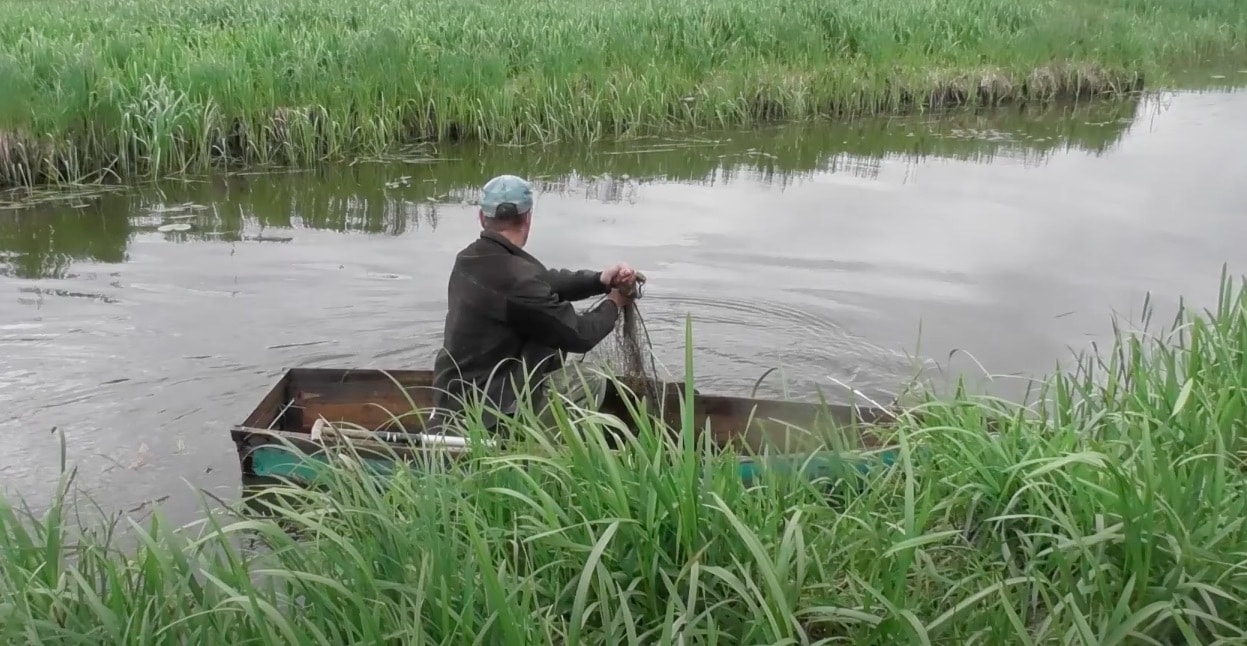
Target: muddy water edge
column 857, row 253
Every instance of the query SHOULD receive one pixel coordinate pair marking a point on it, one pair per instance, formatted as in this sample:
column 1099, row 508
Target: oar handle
column 322, row 430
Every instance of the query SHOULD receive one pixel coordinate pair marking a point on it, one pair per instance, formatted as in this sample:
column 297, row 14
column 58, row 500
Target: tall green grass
column 113, row 88
column 1110, row 509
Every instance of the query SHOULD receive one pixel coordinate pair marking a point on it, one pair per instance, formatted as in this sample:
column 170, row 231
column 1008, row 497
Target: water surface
column 836, row 252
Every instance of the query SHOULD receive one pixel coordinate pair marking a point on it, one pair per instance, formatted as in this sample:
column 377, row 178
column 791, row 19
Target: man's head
column 507, row 207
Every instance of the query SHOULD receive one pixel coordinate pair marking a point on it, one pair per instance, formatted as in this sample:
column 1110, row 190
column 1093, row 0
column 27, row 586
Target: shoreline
column 1036, row 130
column 302, row 138
column 404, row 150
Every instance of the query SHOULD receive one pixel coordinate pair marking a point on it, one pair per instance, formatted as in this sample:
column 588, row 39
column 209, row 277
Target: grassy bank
column 1108, row 510
column 139, row 87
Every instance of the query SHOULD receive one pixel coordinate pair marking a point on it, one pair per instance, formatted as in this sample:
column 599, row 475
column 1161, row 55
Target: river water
column 855, row 253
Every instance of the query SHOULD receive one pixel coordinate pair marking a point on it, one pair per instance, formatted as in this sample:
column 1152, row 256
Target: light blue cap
column 506, row 189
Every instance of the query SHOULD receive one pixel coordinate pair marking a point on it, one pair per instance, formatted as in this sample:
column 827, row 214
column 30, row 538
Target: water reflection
column 44, row 244
column 404, row 193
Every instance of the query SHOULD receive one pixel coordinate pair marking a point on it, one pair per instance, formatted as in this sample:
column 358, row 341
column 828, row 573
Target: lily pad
column 175, row 226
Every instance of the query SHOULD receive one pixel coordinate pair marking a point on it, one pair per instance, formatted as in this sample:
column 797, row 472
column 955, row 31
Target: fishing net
column 634, row 353
column 627, row 355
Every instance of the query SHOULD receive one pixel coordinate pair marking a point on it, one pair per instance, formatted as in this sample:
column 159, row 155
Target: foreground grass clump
column 123, row 87
column 1108, row 511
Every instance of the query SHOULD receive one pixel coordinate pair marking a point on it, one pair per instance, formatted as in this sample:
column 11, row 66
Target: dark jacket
column 505, row 307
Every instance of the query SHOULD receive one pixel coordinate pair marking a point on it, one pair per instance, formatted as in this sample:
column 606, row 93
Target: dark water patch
column 40, row 292
column 297, row 345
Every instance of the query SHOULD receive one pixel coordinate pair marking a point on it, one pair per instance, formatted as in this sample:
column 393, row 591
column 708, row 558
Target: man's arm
column 575, row 285
column 538, row 312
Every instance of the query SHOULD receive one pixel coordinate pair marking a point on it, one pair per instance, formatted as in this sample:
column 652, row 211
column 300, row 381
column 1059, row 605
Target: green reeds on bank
column 1108, row 510
column 121, row 88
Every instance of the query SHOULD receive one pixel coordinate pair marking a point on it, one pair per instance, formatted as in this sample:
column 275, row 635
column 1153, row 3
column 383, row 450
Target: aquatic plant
column 138, row 88
column 1108, row 509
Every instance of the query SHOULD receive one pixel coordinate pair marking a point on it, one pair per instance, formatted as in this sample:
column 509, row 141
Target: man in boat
column 510, row 320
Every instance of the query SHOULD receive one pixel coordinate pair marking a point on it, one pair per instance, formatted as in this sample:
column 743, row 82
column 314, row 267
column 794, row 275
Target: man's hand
column 621, row 276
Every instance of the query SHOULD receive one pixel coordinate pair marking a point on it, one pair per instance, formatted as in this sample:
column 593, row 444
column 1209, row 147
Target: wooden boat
column 391, row 407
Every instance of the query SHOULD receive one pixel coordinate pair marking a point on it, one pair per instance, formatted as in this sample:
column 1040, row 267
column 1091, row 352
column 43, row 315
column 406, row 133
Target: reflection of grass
column 129, row 87
column 1108, row 510
column 39, row 236
column 45, row 247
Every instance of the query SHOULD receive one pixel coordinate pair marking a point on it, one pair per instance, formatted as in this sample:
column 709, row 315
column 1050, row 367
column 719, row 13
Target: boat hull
column 275, row 442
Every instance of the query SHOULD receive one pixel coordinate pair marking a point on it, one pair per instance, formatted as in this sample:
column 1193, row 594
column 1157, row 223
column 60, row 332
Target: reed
column 1108, row 509
column 139, row 88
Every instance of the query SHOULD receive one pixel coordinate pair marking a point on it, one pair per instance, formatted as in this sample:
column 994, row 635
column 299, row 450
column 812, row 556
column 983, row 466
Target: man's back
column 509, row 320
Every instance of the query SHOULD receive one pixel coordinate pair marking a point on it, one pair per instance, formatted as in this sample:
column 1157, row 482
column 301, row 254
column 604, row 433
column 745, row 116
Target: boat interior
column 400, row 401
